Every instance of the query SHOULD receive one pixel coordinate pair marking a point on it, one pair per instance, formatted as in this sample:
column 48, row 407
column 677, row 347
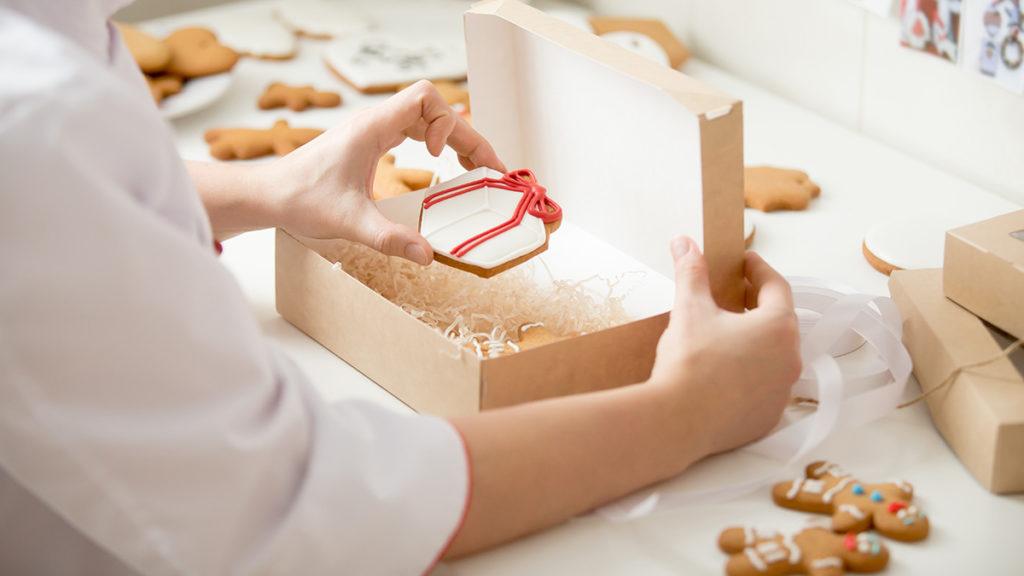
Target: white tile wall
column 836, row 59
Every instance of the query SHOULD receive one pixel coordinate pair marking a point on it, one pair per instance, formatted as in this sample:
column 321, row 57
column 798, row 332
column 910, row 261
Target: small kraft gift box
column 974, row 389
column 634, row 152
column 983, row 270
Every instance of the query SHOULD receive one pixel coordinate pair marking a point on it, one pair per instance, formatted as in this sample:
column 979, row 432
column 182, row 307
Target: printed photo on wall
column 931, row 26
column 993, row 43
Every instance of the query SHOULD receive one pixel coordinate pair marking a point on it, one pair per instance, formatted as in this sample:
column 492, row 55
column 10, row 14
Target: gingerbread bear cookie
column 196, row 52
column 297, row 98
column 149, row 53
column 767, row 188
column 815, row 551
column 855, row 506
column 246, row 143
column 390, row 181
column 163, row 86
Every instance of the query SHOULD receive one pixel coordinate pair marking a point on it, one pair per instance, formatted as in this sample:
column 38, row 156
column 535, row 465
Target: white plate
column 196, row 94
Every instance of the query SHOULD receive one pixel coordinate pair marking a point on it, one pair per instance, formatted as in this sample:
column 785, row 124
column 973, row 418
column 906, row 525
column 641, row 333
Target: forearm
column 237, row 197
column 539, row 464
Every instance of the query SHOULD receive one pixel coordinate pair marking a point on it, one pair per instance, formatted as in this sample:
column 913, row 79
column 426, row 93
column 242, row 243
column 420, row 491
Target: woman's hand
column 738, row 368
column 324, row 189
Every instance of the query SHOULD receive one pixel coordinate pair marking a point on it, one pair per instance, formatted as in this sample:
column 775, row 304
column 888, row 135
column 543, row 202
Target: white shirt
column 146, row 425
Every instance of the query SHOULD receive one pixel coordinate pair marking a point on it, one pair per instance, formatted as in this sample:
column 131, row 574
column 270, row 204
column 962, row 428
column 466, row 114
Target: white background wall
column 846, row 64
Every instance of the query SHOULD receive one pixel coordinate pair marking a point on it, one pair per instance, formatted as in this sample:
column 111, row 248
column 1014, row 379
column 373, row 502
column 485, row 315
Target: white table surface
column 863, row 182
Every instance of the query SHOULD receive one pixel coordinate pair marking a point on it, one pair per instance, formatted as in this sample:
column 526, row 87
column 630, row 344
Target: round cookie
column 916, row 242
column 149, row 53
column 196, row 52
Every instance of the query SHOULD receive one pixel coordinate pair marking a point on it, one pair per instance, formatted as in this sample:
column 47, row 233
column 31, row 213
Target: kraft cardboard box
column 984, row 270
column 634, row 152
column 981, row 413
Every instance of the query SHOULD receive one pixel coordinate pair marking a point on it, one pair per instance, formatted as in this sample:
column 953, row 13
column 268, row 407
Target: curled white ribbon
column 845, row 400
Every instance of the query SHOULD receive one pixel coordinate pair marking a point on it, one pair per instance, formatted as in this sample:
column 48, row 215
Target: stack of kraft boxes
column 958, row 323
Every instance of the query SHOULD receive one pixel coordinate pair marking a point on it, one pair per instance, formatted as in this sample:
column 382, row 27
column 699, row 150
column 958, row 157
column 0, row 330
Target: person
column 146, row 425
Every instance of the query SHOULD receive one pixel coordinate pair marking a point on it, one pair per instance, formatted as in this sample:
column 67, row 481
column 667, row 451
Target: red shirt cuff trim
column 465, row 506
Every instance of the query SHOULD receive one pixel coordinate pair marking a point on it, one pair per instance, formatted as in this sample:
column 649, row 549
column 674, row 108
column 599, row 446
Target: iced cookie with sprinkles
column 855, row 505
column 815, row 551
column 486, row 222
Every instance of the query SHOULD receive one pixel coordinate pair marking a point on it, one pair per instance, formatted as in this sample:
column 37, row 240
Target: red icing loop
column 850, row 541
column 895, row 507
column 534, row 202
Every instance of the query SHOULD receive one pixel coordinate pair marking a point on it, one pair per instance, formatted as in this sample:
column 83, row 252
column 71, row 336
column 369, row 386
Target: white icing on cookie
column 853, row 511
column 812, row 486
column 321, row 18
column 377, row 61
column 905, row 486
column 771, row 551
column 794, row 489
column 451, row 222
column 830, row 469
column 755, row 560
column 826, row 562
column 794, row 550
column 828, row 495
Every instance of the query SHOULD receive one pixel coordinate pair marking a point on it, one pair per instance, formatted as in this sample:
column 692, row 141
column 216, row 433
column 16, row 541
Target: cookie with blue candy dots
column 855, row 505
column 816, row 551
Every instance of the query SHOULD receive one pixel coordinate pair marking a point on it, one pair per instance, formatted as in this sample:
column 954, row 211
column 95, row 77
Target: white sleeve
column 138, row 398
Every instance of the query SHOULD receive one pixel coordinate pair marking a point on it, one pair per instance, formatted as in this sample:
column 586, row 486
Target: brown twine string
column 949, row 379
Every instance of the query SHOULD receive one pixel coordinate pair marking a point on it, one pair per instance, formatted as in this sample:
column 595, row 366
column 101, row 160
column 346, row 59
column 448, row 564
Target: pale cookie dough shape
column 815, row 551
column 447, row 224
column 855, row 506
column 377, row 62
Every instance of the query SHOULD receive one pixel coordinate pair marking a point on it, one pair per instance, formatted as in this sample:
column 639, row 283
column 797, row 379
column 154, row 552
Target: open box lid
column 635, row 152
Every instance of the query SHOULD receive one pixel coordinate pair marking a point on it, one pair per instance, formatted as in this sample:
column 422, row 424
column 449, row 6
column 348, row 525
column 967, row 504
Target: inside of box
column 621, row 155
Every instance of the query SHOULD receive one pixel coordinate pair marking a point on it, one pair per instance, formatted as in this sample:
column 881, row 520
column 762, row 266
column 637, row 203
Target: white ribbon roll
column 835, row 317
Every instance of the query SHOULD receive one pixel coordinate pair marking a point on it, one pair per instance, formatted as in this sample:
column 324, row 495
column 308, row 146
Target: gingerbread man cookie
column 196, row 52
column 390, row 181
column 245, row 143
column 855, row 506
column 163, row 86
column 767, row 188
column 815, row 551
column 297, row 98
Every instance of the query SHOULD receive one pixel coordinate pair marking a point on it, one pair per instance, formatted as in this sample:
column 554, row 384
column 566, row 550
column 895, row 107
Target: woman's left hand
column 324, row 189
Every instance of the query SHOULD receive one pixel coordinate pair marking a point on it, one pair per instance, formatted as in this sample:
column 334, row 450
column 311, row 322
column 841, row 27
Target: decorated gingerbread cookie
column 245, row 143
column 390, row 181
column 320, row 19
column 815, row 551
column 196, row 52
column 374, row 63
column 648, row 37
column 855, row 505
column 297, row 98
column 767, row 188
column 486, row 222
column 248, row 28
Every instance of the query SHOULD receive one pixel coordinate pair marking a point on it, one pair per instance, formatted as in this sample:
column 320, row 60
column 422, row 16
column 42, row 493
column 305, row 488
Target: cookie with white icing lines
column 815, row 551
column 855, row 505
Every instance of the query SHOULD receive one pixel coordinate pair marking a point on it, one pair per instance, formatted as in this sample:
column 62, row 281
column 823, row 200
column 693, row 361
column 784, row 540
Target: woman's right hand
column 732, row 371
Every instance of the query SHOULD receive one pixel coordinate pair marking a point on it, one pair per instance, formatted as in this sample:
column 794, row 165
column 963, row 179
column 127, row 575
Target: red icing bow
column 534, row 202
